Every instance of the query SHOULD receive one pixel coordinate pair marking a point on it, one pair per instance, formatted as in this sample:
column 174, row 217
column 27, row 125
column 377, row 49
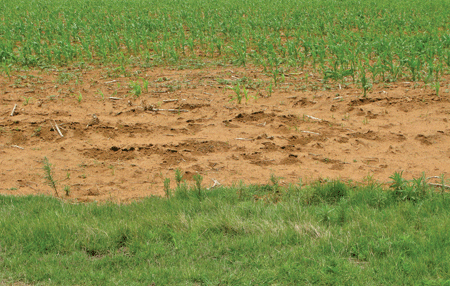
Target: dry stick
column 170, row 110
column 170, row 100
column 110, row 81
column 313, row 118
column 244, row 139
column 439, row 185
column 14, row 109
column 309, row 132
column 28, row 185
column 57, row 129
column 433, row 177
column 115, row 98
column 15, row 146
column 216, row 183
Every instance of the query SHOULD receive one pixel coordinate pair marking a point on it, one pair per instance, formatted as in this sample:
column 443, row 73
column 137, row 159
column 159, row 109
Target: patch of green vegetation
column 345, row 41
column 328, row 232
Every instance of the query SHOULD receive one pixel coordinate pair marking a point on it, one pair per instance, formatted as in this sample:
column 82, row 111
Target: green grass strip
column 324, row 233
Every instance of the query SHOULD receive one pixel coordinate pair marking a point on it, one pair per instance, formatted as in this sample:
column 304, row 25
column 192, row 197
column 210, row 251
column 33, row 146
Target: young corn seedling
column 237, row 94
column 365, row 84
column 269, row 90
column 136, row 88
column 146, row 85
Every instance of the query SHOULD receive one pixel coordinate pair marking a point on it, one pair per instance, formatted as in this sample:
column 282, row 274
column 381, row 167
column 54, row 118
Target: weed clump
column 330, row 192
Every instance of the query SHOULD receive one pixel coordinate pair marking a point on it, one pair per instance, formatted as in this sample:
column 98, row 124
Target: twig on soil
column 170, row 110
column 112, row 81
column 312, row 154
column 206, row 99
column 115, row 98
column 28, row 185
column 313, row 118
column 14, row 109
column 57, row 129
column 15, row 146
column 433, row 177
column 439, row 185
column 216, row 183
column 244, row 139
column 170, row 100
column 310, row 132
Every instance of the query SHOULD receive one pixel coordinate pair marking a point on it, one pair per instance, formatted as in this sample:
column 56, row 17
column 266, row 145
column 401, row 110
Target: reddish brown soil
column 128, row 151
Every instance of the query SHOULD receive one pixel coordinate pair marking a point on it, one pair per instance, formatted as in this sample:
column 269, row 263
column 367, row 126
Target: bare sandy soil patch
column 122, row 148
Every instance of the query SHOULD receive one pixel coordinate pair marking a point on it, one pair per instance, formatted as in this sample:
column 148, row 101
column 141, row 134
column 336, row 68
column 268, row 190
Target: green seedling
column 167, row 187
column 198, row 184
column 48, row 175
column 146, row 85
column 239, row 94
column 67, row 190
column 26, row 100
column 178, row 177
column 37, row 131
column 79, row 98
column 269, row 90
column 136, row 88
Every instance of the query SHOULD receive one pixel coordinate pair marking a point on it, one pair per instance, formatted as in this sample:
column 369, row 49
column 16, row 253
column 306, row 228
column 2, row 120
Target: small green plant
column 274, row 179
column 48, row 175
column 404, row 190
column 26, row 100
column 178, row 177
column 269, row 90
column 80, row 97
column 67, row 190
column 237, row 94
column 37, row 132
column 198, row 184
column 146, row 85
column 442, row 177
column 167, row 187
column 437, row 86
column 112, row 169
column 136, row 88
column 365, row 84
column 101, row 94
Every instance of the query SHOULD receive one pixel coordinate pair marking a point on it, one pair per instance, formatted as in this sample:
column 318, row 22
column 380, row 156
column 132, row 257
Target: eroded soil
column 122, row 148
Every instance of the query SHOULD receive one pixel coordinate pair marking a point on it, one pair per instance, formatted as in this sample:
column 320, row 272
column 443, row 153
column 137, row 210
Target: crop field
column 276, row 107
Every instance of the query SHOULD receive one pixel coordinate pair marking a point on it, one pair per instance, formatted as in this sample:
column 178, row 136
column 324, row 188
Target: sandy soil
column 123, row 149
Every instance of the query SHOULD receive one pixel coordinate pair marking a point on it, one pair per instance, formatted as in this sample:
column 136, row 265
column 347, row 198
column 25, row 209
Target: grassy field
column 327, row 233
